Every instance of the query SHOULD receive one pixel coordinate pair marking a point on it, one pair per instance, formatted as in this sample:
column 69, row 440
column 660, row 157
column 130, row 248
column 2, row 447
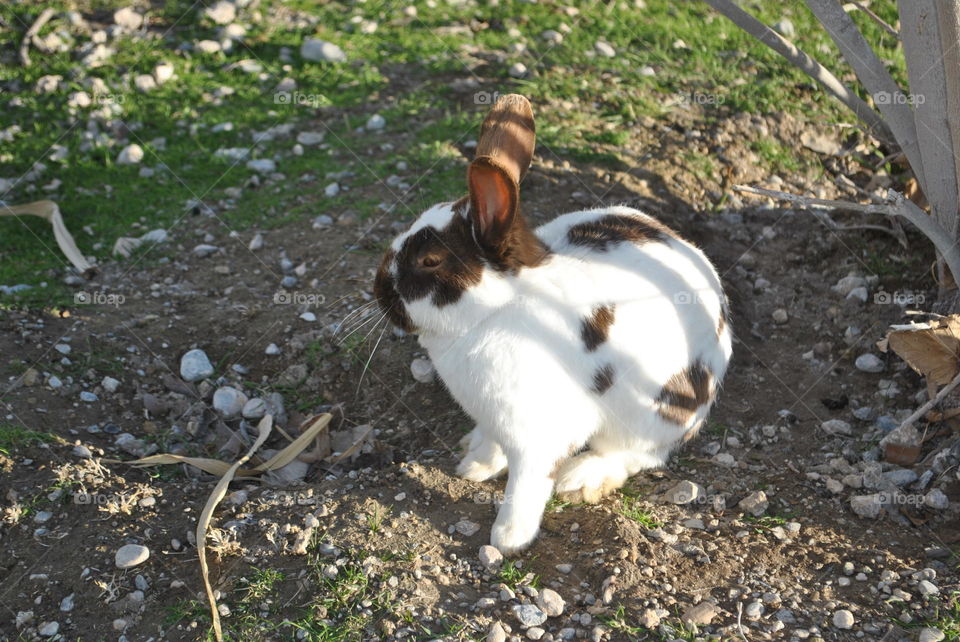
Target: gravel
column 700, row 614
column 490, row 557
column 605, row 50
column 229, row 402
column 868, row 362
column 843, row 619
column 684, row 492
column 755, row 503
column 837, row 427
column 130, row 155
column 422, row 370
column 550, row 602
column 262, row 165
column 127, row 18
column 930, row 634
column 517, row 70
column 316, row 50
column 496, row 633
column 529, row 614
column 48, row 629
column 195, row 365
column 130, row 555
column 868, row 506
column 222, row 12
column 936, row 499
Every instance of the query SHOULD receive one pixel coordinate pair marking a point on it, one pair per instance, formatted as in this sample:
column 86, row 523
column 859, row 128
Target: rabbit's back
column 645, row 308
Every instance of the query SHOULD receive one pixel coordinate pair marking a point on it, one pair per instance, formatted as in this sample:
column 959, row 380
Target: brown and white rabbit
column 600, row 329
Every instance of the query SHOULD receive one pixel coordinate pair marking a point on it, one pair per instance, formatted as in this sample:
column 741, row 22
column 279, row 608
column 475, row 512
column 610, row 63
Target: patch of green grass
column 776, row 156
column 945, row 618
column 375, row 517
column 261, row 583
column 513, row 576
column 406, row 69
column 702, row 166
column 715, row 428
column 765, row 522
column 187, row 610
column 13, row 436
column 631, row 508
column 617, row 621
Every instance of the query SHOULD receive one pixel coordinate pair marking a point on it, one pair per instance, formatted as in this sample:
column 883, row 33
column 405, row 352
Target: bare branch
column 896, row 205
column 922, row 410
column 34, row 29
column 809, row 66
column 880, row 21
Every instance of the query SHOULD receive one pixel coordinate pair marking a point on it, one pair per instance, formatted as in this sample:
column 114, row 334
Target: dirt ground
column 396, row 525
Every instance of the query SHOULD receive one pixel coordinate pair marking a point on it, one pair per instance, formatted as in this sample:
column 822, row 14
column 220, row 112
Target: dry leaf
column 911, row 189
column 49, row 210
column 932, row 349
column 219, row 468
column 204, row 522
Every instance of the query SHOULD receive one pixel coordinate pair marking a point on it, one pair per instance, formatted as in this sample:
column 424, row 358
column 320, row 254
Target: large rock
column 317, row 50
column 684, row 492
column 550, row 602
column 195, row 365
column 130, row 155
column 755, row 503
column 490, row 557
column 868, row 506
column 127, row 18
column 868, row 362
column 529, row 614
column 700, row 614
column 222, row 12
column 131, row 555
column 836, row 427
column 229, row 402
column 843, row 619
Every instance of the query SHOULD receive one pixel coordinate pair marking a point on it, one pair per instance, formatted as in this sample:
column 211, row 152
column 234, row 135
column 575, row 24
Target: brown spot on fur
column 611, row 229
column 603, row 379
column 384, row 288
column 455, row 263
column 684, row 393
column 595, row 328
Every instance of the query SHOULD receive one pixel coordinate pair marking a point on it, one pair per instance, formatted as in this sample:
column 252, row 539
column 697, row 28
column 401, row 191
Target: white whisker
column 372, row 352
column 366, row 320
column 352, row 316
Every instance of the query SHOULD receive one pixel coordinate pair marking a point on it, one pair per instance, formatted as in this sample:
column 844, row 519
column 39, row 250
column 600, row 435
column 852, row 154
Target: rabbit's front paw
column 512, row 537
column 588, row 478
column 475, row 469
column 484, row 459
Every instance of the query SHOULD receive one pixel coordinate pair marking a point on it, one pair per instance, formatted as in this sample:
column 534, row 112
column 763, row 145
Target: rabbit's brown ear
column 494, row 196
column 508, row 135
column 504, row 153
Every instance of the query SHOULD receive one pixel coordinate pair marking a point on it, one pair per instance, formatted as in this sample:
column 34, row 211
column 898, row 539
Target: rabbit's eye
column 429, row 261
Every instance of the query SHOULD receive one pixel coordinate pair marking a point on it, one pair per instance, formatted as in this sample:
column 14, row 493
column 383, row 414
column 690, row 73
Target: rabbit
column 585, row 350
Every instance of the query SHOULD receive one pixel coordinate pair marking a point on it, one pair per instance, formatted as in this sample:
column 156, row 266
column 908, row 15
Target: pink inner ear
column 493, row 196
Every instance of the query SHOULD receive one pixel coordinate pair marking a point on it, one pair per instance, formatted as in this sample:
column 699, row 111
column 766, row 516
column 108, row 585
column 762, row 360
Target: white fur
column 510, row 352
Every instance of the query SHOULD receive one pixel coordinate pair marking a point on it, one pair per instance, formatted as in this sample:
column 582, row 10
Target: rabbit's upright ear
column 504, row 153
